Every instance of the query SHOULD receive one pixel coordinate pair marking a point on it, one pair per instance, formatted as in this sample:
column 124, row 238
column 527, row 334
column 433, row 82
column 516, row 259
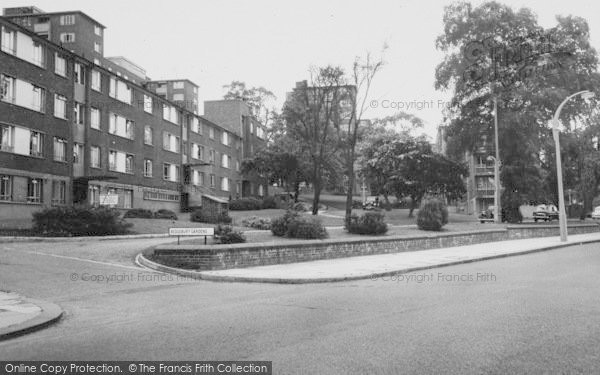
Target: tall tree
column 259, row 99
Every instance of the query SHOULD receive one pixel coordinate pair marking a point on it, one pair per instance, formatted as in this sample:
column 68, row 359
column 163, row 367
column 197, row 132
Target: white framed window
column 148, row 135
column 95, row 157
column 7, row 138
column 119, row 125
column 38, row 55
column 170, row 114
column 60, row 65
column 195, row 125
column 77, row 153
column 9, row 38
column 119, row 161
column 178, row 97
column 225, row 159
column 197, row 151
column 6, row 185
column 60, row 149
column 95, row 118
column 60, row 106
column 67, row 19
column 237, row 165
column 129, row 163
column 171, row 142
column 225, row 138
column 7, row 88
column 59, row 192
column 212, row 180
column 23, row 46
column 97, row 47
column 178, row 85
column 147, row 168
column 120, row 90
column 147, row 103
column 35, row 190
column 79, row 74
column 78, row 113
column 96, row 80
column 67, row 37
column 127, row 198
column 36, row 144
column 171, row 172
column 22, row 93
column 97, row 30
column 224, row 184
column 211, row 156
column 211, row 132
column 38, row 99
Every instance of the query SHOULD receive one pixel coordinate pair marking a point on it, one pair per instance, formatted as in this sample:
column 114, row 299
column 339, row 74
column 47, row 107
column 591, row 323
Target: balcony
column 485, row 192
column 484, row 169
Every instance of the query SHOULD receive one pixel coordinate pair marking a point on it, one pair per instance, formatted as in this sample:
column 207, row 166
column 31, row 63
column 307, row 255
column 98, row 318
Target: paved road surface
column 542, row 312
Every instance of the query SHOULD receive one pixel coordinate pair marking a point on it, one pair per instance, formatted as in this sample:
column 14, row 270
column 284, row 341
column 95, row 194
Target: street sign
column 191, row 231
column 109, row 199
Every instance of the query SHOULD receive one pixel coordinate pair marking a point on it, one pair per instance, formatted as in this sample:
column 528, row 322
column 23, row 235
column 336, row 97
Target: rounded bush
column 203, row 216
column 225, row 234
column 79, row 221
column 139, row 213
column 368, row 223
column 306, row 228
column 268, row 202
column 279, row 225
column 245, row 204
column 433, row 215
column 165, row 214
column 263, row 223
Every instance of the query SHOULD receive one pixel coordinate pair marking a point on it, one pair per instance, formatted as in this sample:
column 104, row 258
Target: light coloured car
column 596, row 213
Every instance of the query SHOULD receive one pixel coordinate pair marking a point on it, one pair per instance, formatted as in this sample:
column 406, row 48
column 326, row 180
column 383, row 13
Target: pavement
column 20, row 315
column 376, row 266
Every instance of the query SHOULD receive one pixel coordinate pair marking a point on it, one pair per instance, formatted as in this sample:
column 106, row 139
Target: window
column 225, row 138
column 178, row 97
column 147, row 168
column 119, row 125
column 260, row 133
column 147, row 103
column 97, row 47
column 211, row 132
column 212, row 180
column 225, row 159
column 36, row 144
column 95, row 118
column 67, row 37
column 170, row 114
column 22, row 93
column 120, row 91
column 171, row 172
column 78, row 113
column 60, row 65
column 60, row 106
column 98, row 30
column 77, row 153
column 94, row 194
column 127, row 198
column 148, row 135
column 171, row 142
column 68, row 19
column 224, row 184
column 158, row 196
column 60, row 149
column 195, row 125
column 129, row 163
column 96, row 80
column 9, row 38
column 95, row 157
column 178, row 85
column 198, row 178
column 211, row 156
column 7, row 138
column 79, row 74
column 38, row 55
column 59, row 190
column 237, row 165
column 6, row 183
column 35, row 189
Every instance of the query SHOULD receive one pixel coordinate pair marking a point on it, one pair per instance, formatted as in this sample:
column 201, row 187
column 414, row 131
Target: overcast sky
column 272, row 43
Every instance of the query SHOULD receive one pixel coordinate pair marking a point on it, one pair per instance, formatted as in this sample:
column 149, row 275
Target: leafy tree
column 259, row 99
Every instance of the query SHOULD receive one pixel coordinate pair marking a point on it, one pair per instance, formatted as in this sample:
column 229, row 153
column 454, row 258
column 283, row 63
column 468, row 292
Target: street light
column 562, row 216
column 497, row 212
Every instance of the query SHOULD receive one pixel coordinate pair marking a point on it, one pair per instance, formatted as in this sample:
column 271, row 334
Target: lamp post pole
column 562, row 215
column 497, row 210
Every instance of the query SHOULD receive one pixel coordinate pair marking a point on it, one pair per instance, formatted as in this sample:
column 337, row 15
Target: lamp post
column 562, row 216
column 497, row 210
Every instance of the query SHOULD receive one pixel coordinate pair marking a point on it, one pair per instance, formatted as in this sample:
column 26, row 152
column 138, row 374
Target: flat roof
column 172, row 80
column 53, row 14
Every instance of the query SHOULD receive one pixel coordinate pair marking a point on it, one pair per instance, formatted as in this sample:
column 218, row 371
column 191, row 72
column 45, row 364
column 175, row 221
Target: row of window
column 28, row 142
column 33, row 191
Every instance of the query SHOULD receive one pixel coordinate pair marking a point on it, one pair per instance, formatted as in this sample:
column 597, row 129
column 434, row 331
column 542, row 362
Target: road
column 531, row 314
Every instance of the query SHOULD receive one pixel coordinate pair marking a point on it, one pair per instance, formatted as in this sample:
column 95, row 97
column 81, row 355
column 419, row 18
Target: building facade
column 181, row 91
column 75, row 132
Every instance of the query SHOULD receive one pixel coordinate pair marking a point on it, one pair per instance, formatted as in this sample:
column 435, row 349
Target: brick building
column 74, row 131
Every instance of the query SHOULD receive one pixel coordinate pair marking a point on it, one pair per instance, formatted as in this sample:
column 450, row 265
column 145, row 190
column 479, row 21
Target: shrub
column 356, row 204
column 225, row 234
column 269, row 202
column 307, row 228
column 203, row 216
column 433, row 215
column 139, row 213
column 256, row 222
column 245, row 204
column 299, row 207
column 165, row 214
column 79, row 221
column 291, row 224
column 368, row 223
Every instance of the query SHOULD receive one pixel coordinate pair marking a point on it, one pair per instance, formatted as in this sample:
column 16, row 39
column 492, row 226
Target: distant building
column 181, row 91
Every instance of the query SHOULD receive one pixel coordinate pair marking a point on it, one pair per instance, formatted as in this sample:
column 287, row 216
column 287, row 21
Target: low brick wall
column 218, row 257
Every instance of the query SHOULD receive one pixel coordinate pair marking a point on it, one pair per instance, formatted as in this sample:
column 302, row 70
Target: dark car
column 546, row 212
column 487, row 215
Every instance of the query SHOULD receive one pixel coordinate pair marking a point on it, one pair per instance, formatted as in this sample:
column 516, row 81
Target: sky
column 274, row 43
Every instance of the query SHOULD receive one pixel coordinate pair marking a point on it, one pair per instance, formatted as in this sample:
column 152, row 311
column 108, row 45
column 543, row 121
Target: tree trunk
column 350, row 190
column 317, row 188
column 413, row 205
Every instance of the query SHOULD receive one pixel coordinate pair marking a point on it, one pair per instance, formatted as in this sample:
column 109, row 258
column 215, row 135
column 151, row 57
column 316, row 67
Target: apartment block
column 73, row 131
column 181, row 91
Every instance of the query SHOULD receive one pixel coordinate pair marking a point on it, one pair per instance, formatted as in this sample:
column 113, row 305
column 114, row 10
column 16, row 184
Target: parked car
column 546, row 212
column 487, row 215
column 371, row 204
column 596, row 213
